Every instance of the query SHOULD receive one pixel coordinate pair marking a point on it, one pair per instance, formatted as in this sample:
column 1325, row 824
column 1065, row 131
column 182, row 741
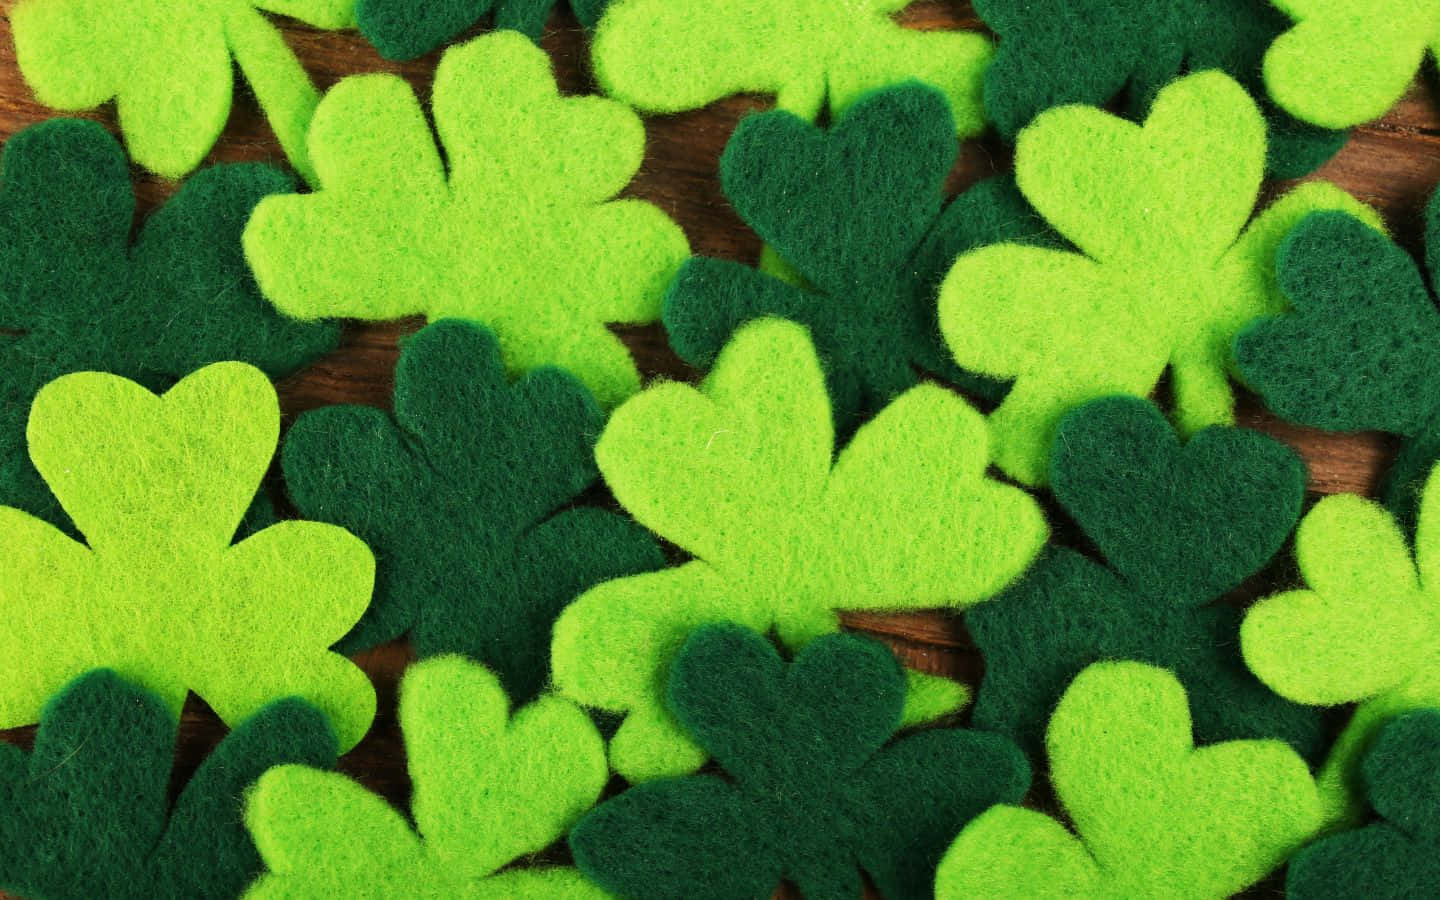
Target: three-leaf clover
column 1179, row 526
column 169, row 68
column 857, row 212
column 522, row 235
column 813, row 793
column 87, row 813
column 742, row 474
column 405, row 29
column 1154, row 816
column 667, row 56
column 489, row 789
column 157, row 486
column 461, row 493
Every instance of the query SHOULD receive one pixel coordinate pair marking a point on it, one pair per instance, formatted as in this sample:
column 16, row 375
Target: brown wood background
column 1393, row 165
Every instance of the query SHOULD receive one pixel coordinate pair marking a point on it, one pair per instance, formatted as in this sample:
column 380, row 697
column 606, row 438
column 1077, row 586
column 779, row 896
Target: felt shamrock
column 461, row 494
column 1179, row 526
column 522, row 234
column 1154, row 816
column 741, row 474
column 169, row 68
column 489, row 789
column 87, row 813
column 1394, row 857
column 813, row 792
column 1348, row 61
column 1365, row 631
column 405, row 29
column 857, row 212
column 1167, row 271
column 665, row 56
column 1054, row 52
column 157, row 486
column 77, row 295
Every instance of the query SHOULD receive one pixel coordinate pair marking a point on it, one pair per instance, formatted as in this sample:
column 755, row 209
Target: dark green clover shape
column 812, row 793
column 1358, row 350
column 857, row 213
column 1056, row 52
column 1397, row 856
column 87, row 813
column 405, row 29
column 1179, row 526
column 77, row 295
column 463, row 494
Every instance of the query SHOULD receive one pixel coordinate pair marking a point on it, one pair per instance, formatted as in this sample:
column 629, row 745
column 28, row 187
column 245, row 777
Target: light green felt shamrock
column 489, row 789
column 1167, row 272
column 168, row 65
column 741, row 473
column 1154, row 816
column 1366, row 630
column 1348, row 61
column 158, row 486
column 522, row 236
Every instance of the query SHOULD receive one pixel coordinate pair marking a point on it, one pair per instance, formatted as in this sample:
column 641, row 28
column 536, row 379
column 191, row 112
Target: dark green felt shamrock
column 813, row 794
column 87, row 813
column 463, row 493
column 1399, row 855
column 1057, row 52
column 857, row 213
column 77, row 295
column 1178, row 526
column 405, row 29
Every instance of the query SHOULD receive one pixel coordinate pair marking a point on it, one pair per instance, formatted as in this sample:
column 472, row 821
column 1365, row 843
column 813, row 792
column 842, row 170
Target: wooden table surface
column 1393, row 165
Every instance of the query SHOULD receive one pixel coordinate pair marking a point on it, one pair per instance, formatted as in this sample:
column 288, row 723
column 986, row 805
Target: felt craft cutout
column 87, row 813
column 1179, row 526
column 461, row 493
column 1154, row 815
column 1364, row 631
column 741, row 474
column 1167, row 271
column 522, row 234
column 406, row 29
column 76, row 294
column 169, row 68
column 489, row 789
column 813, row 793
column 1348, row 61
column 665, row 56
column 1394, row 857
column 856, row 211
column 157, row 486
column 1056, row 52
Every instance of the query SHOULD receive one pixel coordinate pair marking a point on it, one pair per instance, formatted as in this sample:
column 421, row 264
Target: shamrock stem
column 286, row 94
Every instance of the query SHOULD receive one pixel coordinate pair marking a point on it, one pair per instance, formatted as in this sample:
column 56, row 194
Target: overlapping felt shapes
column 405, row 29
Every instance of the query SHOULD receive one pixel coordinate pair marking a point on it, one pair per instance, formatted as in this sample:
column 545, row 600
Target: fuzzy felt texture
column 811, row 791
column 87, row 813
column 1168, row 269
column 664, row 56
column 1056, row 52
column 406, row 29
column 857, row 213
column 1393, row 858
column 1179, row 525
column 1365, row 631
column 462, row 493
column 157, row 487
column 1348, row 61
column 516, row 228
column 489, row 789
column 1154, row 816
column 169, row 68
column 76, row 294
column 741, row 473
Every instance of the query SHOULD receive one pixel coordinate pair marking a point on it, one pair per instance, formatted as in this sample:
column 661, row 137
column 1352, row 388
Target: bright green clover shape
column 522, row 236
column 1167, row 271
column 489, row 789
column 168, row 65
column 741, row 473
column 158, row 486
